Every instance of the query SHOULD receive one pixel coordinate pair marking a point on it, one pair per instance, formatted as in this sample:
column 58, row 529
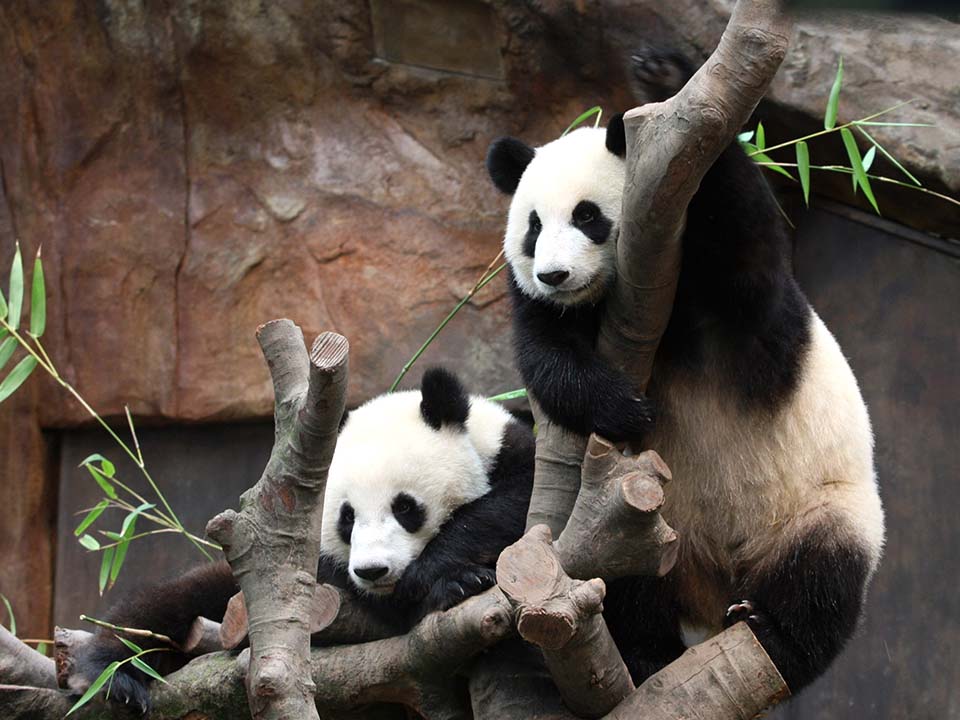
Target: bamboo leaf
column 42, row 648
column 21, row 371
column 101, row 480
column 7, row 348
column 130, row 520
column 106, row 561
column 13, row 620
column 137, row 650
column 803, row 170
column 745, row 136
column 770, row 164
column 888, row 156
column 856, row 163
column 16, row 290
column 38, row 300
column 95, row 686
column 868, row 158
column 3, row 309
column 106, row 467
column 582, row 117
column 830, row 117
column 118, row 560
column 91, row 517
column 511, row 395
column 761, row 137
column 144, row 668
column 90, row 543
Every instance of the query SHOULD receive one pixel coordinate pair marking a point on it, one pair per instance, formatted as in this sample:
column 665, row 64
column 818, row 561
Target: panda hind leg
column 806, row 607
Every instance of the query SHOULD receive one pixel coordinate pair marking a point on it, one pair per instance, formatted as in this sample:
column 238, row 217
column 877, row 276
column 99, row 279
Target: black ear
column 617, row 136
column 507, row 158
column 444, row 401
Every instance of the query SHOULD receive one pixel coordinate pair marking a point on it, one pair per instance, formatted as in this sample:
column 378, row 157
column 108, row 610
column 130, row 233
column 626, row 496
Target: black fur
column 408, row 512
column 345, row 522
column 806, row 608
column 533, row 232
column 168, row 608
column 559, row 364
column 590, row 220
column 803, row 610
column 617, row 136
column 444, row 401
column 507, row 158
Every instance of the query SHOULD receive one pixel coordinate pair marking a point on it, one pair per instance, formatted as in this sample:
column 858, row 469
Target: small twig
column 135, row 632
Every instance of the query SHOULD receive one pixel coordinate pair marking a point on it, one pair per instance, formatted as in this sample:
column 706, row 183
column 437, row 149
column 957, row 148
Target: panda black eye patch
column 533, row 232
column 590, row 220
column 345, row 522
column 409, row 513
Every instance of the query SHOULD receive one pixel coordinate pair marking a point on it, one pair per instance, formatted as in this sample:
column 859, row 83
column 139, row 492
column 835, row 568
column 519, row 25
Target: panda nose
column 371, row 572
column 553, row 278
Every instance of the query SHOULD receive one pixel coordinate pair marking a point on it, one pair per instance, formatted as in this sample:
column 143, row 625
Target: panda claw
column 739, row 611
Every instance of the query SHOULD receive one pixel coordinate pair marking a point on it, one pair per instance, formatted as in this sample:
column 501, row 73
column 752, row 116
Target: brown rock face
column 196, row 170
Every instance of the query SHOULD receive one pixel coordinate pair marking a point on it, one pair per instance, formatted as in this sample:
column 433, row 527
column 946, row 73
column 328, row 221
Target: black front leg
column 575, row 386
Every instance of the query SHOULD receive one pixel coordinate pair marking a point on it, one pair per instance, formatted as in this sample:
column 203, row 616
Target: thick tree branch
column 413, row 670
column 20, row 664
column 670, row 147
column 615, row 529
column 562, row 616
column 273, row 543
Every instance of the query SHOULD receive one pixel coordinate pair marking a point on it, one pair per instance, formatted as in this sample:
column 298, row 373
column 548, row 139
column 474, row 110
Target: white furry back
column 745, row 485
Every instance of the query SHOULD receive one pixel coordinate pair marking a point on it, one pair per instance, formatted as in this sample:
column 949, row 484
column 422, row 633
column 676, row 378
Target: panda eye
column 585, row 212
column 345, row 523
column 408, row 512
column 535, row 226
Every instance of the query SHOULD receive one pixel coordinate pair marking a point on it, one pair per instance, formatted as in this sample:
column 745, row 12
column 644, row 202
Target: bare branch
column 273, row 544
column 615, row 529
column 562, row 616
column 20, row 664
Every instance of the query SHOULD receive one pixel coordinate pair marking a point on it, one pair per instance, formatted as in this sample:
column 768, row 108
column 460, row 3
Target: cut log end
column 329, row 350
column 549, row 630
column 641, row 492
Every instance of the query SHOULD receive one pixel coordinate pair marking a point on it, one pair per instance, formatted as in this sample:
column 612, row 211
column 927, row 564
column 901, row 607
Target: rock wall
column 195, row 169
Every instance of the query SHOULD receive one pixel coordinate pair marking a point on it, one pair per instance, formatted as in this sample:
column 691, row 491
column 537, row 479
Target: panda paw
column 746, row 611
column 629, row 420
column 449, row 591
column 124, row 688
column 657, row 73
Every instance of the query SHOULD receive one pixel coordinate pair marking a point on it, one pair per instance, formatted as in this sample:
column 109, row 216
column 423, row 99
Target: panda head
column 403, row 463
column 563, row 222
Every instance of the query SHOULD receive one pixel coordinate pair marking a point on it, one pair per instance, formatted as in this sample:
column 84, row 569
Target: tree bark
column 22, row 665
column 273, row 543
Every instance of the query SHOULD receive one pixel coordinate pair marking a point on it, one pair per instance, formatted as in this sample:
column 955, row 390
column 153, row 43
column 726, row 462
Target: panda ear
column 617, row 136
column 507, row 158
column 443, row 400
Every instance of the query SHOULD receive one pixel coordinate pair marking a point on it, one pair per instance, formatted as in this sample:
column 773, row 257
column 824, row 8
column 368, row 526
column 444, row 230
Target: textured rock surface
column 195, row 171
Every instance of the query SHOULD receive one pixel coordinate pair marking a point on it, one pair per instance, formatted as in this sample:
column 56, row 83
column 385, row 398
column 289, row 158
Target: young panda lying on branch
column 424, row 491
column 758, row 414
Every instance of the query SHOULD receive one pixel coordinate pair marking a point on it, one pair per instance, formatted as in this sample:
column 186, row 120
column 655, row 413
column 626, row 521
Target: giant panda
column 425, row 488
column 758, row 414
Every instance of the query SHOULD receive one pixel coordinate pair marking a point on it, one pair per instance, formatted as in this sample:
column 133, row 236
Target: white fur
column 386, row 448
column 575, row 167
column 746, row 485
